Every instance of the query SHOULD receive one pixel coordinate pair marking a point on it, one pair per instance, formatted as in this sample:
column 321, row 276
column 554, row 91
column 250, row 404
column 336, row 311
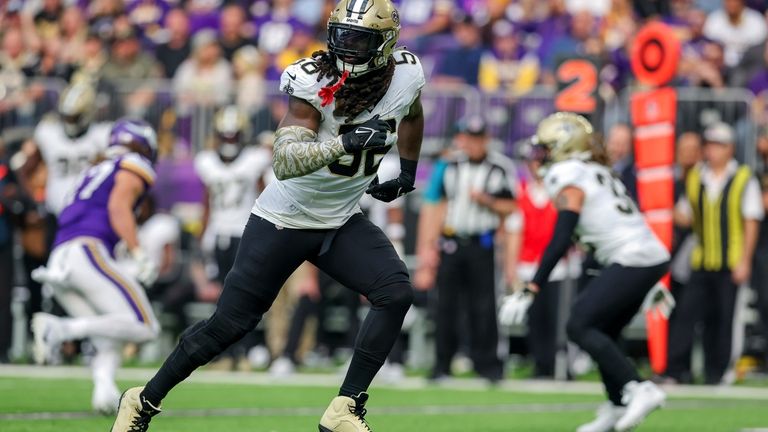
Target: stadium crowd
column 177, row 62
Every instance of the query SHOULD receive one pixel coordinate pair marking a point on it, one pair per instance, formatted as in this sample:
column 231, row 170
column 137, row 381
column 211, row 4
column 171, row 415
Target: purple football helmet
column 127, row 131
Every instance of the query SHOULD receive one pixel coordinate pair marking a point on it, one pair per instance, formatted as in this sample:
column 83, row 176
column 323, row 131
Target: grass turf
column 548, row 412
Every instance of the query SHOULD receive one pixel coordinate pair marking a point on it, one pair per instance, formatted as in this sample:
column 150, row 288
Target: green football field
column 54, row 404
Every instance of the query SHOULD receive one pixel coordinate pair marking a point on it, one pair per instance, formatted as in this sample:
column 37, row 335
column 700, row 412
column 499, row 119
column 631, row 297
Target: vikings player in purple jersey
column 105, row 304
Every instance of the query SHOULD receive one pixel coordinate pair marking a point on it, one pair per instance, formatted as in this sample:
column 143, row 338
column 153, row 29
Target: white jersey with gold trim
column 67, row 158
column 232, row 188
column 328, row 197
column 609, row 222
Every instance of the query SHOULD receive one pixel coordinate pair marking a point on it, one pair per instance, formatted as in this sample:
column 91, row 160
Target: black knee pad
column 209, row 338
column 575, row 329
column 396, row 296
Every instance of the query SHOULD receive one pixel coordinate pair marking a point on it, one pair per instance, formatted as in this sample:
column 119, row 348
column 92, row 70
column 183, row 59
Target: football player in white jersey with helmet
column 232, row 173
column 593, row 205
column 347, row 107
column 69, row 141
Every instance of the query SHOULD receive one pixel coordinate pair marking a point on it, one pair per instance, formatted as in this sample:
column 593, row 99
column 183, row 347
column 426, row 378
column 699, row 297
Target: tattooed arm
column 297, row 152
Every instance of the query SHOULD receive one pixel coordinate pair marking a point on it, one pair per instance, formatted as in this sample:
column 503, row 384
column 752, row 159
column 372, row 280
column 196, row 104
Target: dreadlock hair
column 599, row 152
column 356, row 95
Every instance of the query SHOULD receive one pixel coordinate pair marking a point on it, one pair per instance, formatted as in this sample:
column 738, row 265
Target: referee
column 724, row 207
column 467, row 196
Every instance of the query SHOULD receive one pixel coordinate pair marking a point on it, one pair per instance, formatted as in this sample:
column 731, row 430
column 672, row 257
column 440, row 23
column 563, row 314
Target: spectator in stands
column 461, row 65
column 303, row 44
column 707, row 68
column 619, row 25
column 14, row 58
column 232, row 28
column 737, row 27
column 311, row 12
column 508, row 67
column 596, row 8
column 421, row 19
column 655, row 8
column 148, row 15
column 47, row 19
column 73, row 35
column 203, row 14
column 758, row 83
column 49, row 64
column 177, row 48
column 128, row 68
column 92, row 62
column 575, row 42
column 620, row 155
column 127, row 61
column 275, row 27
column 205, row 78
column 724, row 207
column 248, row 65
column 103, row 14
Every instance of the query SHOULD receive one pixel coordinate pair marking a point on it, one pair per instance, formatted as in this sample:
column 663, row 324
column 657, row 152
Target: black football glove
column 371, row 134
column 393, row 189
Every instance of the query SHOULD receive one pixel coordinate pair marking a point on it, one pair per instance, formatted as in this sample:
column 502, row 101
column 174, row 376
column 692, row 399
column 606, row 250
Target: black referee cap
column 472, row 125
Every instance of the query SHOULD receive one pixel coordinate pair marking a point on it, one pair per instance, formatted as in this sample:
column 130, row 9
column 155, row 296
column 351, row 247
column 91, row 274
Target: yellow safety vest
column 718, row 224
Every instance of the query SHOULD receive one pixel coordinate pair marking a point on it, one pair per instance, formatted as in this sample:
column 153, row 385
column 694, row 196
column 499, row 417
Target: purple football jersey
column 86, row 214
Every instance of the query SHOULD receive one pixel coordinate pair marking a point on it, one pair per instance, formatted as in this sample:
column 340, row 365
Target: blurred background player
column 65, row 144
column 594, row 205
column 234, row 173
column 105, row 303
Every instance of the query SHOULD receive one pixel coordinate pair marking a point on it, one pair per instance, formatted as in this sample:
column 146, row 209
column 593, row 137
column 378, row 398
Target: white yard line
column 422, row 410
column 333, row 380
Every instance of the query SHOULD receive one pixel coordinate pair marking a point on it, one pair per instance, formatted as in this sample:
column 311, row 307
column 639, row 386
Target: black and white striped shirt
column 454, row 182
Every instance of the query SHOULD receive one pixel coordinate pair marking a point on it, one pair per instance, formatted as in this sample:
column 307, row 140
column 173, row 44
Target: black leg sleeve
column 542, row 329
column 265, row 260
column 613, row 297
column 363, row 259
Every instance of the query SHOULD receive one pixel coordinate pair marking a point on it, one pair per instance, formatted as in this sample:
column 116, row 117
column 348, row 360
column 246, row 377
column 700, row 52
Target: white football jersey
column 609, row 222
column 232, row 188
column 328, row 197
column 66, row 158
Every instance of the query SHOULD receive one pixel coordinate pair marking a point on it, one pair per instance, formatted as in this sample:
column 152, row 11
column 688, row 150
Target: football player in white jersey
column 233, row 177
column 69, row 142
column 593, row 205
column 347, row 107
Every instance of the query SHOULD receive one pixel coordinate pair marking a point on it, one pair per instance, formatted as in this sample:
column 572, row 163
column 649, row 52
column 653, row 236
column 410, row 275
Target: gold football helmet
column 362, row 34
column 565, row 136
column 232, row 131
column 77, row 108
